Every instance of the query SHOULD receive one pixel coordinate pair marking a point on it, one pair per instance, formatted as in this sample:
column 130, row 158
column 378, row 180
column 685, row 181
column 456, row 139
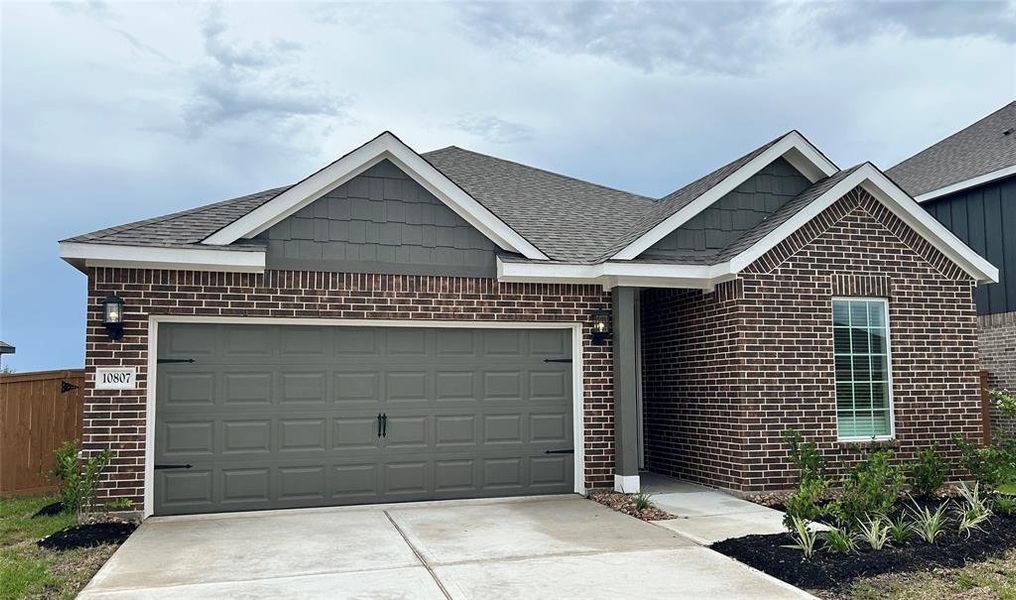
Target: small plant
column 875, row 532
column 119, row 504
column 973, row 510
column 804, row 502
column 1005, row 505
column 838, row 540
column 871, row 489
column 928, row 472
column 1004, row 400
column 900, row 529
column 804, row 537
column 78, row 477
column 805, row 456
column 927, row 524
column 643, row 500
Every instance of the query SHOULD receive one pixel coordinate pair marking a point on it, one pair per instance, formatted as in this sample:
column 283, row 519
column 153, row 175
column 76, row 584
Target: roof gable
column 384, row 147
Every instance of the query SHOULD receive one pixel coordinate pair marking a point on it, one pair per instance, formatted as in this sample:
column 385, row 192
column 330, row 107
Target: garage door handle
column 161, row 467
column 379, row 425
column 384, row 424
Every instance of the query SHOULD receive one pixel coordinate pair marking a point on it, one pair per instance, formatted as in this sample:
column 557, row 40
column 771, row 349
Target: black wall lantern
column 112, row 316
column 601, row 327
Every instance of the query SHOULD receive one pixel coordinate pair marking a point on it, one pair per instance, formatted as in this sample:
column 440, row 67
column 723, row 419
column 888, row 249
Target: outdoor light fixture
column 112, row 316
column 601, row 327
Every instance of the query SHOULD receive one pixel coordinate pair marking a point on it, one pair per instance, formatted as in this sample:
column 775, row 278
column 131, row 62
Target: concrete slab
column 182, row 551
column 413, row 583
column 693, row 572
column 445, row 535
column 708, row 530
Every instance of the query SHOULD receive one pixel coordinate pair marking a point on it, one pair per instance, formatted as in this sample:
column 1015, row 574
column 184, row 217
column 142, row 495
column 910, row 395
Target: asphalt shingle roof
column 982, row 148
column 568, row 219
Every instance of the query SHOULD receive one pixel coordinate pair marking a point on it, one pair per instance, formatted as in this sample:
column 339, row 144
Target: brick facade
column 997, row 337
column 116, row 419
column 726, row 372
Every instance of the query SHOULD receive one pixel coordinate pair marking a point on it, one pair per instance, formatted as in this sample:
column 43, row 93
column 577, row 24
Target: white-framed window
column 864, row 383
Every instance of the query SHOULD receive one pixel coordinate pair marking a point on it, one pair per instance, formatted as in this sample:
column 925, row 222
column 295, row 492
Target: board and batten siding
column 732, row 215
column 381, row 221
column 985, row 218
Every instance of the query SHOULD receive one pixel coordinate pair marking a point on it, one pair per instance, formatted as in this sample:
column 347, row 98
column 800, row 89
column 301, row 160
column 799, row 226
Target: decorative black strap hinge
column 558, row 360
column 66, row 386
column 161, row 467
column 562, row 451
column 162, row 361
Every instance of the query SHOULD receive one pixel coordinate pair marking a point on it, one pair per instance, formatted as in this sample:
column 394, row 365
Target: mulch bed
column 831, row 571
column 89, row 535
column 625, row 503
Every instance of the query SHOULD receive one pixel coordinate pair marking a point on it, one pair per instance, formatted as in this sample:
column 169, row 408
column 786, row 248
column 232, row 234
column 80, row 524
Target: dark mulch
column 49, row 510
column 625, row 503
column 831, row 571
column 88, row 536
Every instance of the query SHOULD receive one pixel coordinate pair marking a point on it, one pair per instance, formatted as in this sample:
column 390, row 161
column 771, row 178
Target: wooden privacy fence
column 38, row 412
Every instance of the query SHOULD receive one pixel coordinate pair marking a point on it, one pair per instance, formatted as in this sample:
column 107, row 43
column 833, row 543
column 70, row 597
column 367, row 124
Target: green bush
column 804, row 502
column 993, row 465
column 643, row 500
column 928, row 472
column 870, row 490
column 805, row 456
column 78, row 477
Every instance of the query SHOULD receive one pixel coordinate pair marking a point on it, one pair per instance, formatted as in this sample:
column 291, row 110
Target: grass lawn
column 985, row 580
column 28, row 571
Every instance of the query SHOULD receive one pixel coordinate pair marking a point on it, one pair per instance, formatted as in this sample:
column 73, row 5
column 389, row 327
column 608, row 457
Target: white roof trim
column 793, row 147
column 612, row 274
column 967, row 183
column 384, row 146
column 894, row 198
column 83, row 255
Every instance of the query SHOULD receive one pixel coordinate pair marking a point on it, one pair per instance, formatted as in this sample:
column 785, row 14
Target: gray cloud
column 731, row 38
column 251, row 83
column 101, row 13
column 492, row 129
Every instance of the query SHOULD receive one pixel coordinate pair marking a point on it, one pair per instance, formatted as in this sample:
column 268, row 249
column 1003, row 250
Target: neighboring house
column 399, row 326
column 968, row 182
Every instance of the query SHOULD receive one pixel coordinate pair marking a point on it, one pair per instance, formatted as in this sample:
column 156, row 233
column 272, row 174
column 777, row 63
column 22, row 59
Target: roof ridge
column 555, row 174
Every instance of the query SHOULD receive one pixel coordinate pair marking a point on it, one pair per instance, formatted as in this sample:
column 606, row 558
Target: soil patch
column 625, row 503
column 88, row 536
column 833, row 571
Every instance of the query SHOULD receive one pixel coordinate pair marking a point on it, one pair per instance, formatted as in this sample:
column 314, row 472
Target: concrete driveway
column 550, row 547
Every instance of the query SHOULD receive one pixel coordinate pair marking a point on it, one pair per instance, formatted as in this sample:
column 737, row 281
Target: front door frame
column 578, row 429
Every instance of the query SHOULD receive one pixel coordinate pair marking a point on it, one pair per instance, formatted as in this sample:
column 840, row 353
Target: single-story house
column 968, row 182
column 400, row 326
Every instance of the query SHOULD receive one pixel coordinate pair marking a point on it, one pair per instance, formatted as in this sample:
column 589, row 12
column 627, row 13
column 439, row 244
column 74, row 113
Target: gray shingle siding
column 381, row 221
column 985, row 218
column 734, row 214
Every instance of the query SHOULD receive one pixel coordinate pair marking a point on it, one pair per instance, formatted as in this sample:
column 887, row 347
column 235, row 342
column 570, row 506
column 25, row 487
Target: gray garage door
column 287, row 416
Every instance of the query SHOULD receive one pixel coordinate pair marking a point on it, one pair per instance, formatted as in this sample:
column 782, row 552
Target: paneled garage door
column 281, row 416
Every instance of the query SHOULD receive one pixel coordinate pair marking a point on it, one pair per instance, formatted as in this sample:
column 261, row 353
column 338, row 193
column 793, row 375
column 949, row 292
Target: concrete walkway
column 550, row 547
column 706, row 515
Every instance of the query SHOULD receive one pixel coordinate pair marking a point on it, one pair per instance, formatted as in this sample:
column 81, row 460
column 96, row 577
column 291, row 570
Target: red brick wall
column 116, row 419
column 782, row 312
column 997, row 341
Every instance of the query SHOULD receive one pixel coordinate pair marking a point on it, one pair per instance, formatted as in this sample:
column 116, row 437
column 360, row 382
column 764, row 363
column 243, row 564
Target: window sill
column 861, row 440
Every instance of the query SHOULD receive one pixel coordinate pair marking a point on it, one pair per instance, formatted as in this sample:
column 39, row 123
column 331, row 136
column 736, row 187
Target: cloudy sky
column 113, row 112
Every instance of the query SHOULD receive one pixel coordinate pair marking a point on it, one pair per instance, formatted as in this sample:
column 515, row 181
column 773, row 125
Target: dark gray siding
column 729, row 217
column 380, row 222
column 985, row 218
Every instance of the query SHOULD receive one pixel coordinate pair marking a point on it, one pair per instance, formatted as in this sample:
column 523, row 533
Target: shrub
column 804, row 537
column 1004, row 400
column 875, row 532
column 870, row 489
column 973, row 509
column 929, row 525
column 992, row 466
column 900, row 529
column 838, row 540
column 804, row 502
column 928, row 472
column 1005, row 505
column 805, row 456
column 78, row 477
column 643, row 500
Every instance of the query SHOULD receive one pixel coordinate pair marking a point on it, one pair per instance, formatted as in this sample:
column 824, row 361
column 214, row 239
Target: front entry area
column 262, row 416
